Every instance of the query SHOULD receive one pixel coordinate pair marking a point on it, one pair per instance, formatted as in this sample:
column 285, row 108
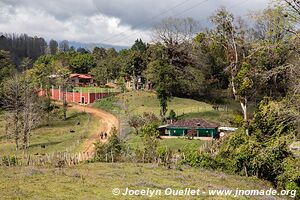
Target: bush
column 149, row 134
column 205, row 160
column 292, row 186
column 9, row 160
column 164, row 154
column 237, row 120
column 58, row 112
column 111, row 151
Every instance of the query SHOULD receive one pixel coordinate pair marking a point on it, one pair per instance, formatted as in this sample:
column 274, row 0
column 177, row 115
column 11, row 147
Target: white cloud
column 113, row 22
column 95, row 28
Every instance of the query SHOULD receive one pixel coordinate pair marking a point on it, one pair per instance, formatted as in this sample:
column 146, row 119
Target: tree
column 271, row 52
column 175, row 36
column 232, row 38
column 164, row 87
column 40, row 72
column 53, row 45
column 292, row 9
column 64, row 46
column 100, row 73
column 139, row 46
column 81, row 62
column 21, row 46
column 272, row 25
column 174, row 31
column 25, row 64
column 136, row 122
column 63, row 75
column 99, row 53
column 6, row 66
column 149, row 134
column 110, row 150
column 23, row 108
column 172, row 115
column 214, row 62
column 133, row 67
column 82, row 50
column 163, row 78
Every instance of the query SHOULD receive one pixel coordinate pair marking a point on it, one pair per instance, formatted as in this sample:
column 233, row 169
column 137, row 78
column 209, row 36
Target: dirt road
column 107, row 122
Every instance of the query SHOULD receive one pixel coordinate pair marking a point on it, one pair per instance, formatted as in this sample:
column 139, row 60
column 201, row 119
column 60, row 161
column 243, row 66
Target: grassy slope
column 56, row 136
column 140, row 101
column 96, row 181
column 221, row 117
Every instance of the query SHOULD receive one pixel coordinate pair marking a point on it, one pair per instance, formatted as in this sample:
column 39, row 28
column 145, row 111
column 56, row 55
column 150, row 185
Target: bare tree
column 232, row 37
column 23, row 108
column 173, row 31
column 292, row 7
column 12, row 99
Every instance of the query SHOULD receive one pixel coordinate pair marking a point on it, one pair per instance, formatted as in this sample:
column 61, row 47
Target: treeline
column 22, row 46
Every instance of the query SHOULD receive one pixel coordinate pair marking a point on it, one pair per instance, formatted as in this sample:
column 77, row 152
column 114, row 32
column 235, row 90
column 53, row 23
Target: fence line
column 183, row 111
column 57, row 159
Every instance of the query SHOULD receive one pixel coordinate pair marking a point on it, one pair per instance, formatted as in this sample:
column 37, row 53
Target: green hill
column 138, row 102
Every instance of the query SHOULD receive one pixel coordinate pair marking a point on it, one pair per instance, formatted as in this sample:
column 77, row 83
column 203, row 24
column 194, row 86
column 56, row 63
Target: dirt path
column 108, row 121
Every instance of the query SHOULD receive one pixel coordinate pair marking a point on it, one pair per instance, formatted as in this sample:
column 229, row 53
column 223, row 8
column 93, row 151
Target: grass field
column 173, row 144
column 56, row 136
column 140, row 101
column 96, row 181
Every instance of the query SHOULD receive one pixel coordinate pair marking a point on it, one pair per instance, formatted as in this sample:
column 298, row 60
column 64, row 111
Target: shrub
column 164, row 154
column 110, row 151
column 9, row 160
column 149, row 134
column 237, row 120
column 172, row 115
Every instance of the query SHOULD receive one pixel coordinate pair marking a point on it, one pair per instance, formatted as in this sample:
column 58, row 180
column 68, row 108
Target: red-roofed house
column 81, row 79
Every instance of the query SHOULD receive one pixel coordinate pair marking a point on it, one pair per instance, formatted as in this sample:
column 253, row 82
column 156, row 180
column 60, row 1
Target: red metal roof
column 83, row 76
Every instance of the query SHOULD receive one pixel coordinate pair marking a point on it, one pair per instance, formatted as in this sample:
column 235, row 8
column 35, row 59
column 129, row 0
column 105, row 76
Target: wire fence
column 57, row 159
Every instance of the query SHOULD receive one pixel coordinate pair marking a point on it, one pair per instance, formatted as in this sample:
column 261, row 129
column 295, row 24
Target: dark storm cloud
column 145, row 13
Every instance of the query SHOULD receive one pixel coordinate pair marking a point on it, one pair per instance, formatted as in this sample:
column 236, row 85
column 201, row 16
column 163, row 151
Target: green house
column 190, row 127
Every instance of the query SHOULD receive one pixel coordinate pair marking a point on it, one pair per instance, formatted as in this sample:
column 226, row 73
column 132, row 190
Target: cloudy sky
column 117, row 22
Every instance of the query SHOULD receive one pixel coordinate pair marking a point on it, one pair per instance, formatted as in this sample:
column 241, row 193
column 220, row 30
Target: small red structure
column 81, row 79
column 77, row 79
